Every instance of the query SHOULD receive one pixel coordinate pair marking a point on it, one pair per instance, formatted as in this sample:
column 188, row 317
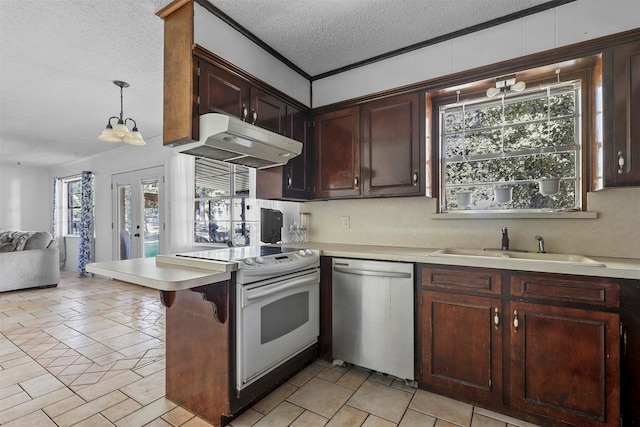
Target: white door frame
column 135, row 178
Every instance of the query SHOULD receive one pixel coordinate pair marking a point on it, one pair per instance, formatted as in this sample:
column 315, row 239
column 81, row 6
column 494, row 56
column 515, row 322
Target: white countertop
column 622, row 268
column 166, row 277
column 163, row 277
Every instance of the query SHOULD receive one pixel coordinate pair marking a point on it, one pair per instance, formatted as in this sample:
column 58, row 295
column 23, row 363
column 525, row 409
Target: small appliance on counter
column 270, row 225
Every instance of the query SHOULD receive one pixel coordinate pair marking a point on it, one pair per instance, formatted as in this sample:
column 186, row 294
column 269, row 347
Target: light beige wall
column 408, row 221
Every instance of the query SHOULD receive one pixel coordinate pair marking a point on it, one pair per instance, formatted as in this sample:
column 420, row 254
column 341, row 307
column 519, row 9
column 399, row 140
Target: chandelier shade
column 120, row 132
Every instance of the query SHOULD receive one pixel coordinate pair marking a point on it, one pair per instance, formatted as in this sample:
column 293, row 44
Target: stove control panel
column 301, row 256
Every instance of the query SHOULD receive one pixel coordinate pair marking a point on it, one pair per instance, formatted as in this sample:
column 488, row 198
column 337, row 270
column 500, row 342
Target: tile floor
column 91, row 353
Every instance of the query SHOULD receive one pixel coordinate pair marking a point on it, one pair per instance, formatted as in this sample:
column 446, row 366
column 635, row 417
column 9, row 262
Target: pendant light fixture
column 504, row 85
column 120, row 132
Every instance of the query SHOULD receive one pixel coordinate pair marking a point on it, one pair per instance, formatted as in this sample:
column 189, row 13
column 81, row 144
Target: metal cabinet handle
column 620, row 162
column 496, row 317
column 254, row 116
column 289, row 181
column 376, row 273
column 516, row 323
column 415, row 177
column 244, row 112
column 356, row 182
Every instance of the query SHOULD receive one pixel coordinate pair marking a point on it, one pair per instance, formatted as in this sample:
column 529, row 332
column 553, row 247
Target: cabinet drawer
column 461, row 279
column 600, row 293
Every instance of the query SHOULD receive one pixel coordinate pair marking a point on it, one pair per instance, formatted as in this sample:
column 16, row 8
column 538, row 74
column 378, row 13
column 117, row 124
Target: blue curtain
column 85, row 255
column 54, row 228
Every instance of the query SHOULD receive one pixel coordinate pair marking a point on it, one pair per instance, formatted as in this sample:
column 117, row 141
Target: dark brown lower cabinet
column 462, row 345
column 545, row 348
column 565, row 363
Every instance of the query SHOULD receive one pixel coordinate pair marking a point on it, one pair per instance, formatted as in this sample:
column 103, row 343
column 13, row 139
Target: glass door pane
column 151, row 218
column 138, row 226
column 124, row 221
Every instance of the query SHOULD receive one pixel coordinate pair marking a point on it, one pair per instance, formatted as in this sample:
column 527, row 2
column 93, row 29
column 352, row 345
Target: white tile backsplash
column 408, row 221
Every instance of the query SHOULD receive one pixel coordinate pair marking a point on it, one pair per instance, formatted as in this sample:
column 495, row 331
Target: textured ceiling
column 59, row 57
column 323, row 35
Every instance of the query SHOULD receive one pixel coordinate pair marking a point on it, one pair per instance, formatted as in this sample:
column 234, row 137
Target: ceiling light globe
column 135, row 138
column 121, row 130
column 108, row 135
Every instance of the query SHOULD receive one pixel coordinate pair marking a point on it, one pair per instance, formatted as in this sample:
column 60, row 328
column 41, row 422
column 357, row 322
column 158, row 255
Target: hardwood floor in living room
column 90, row 352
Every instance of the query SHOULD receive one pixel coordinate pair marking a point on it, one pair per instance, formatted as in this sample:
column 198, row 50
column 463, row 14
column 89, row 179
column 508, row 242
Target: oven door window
column 274, row 325
column 277, row 326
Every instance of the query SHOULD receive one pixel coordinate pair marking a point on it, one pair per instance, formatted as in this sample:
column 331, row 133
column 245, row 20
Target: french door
column 138, row 218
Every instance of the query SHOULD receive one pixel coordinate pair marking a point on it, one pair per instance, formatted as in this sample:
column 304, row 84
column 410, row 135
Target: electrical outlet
column 346, row 222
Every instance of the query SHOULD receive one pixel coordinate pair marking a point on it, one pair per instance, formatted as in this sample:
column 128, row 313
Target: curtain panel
column 85, row 253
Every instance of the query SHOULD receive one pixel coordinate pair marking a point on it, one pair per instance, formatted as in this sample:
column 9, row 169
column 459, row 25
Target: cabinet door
column 565, row 363
column 337, row 153
column 222, row 92
column 622, row 115
column 461, row 346
column 298, row 170
column 391, row 146
column 291, row 181
column 267, row 111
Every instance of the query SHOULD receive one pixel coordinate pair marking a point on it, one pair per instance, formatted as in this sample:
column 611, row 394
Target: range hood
column 231, row 140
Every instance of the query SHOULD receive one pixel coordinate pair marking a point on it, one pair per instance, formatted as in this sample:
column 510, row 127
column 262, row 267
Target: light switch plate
column 346, row 222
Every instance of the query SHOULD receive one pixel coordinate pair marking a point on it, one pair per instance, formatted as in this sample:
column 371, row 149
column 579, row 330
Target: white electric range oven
column 277, row 305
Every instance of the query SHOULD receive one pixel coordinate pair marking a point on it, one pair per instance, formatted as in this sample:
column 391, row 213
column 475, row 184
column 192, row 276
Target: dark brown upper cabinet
column 293, row 180
column 337, row 153
column 621, row 87
column 370, row 151
column 221, row 92
column 267, row 111
column 392, row 153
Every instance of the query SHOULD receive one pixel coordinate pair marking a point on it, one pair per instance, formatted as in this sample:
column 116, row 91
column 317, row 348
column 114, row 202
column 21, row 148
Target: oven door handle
column 290, row 284
column 371, row 272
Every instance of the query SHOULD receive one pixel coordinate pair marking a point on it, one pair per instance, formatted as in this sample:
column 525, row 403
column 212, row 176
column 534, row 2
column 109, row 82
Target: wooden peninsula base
column 200, row 354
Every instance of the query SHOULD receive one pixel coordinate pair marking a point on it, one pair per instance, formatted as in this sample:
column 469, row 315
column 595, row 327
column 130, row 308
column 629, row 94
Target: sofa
column 28, row 259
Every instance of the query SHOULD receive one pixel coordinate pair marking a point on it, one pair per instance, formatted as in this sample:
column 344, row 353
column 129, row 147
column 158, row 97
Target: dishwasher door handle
column 360, row 272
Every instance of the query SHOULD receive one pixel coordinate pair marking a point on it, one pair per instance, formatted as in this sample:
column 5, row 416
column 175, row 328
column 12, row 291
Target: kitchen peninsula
column 239, row 321
column 197, row 328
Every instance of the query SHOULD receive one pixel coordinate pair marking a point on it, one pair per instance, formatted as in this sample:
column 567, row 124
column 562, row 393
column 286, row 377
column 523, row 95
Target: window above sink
column 509, row 147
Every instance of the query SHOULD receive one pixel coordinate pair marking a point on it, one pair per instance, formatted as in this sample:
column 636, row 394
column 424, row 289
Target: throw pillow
column 7, row 247
column 20, row 238
column 6, row 236
column 39, row 240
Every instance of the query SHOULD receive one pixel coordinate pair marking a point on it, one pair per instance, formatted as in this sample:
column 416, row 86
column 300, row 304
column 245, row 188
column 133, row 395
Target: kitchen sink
column 571, row 259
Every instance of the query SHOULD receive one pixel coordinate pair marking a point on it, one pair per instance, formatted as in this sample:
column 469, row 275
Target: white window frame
column 66, row 209
column 448, row 206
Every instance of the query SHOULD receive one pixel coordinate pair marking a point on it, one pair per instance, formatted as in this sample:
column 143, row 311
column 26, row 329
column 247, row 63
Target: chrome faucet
column 540, row 245
column 505, row 239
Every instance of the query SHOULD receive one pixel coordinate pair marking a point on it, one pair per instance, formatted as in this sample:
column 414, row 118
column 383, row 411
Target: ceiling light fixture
column 505, row 84
column 120, row 133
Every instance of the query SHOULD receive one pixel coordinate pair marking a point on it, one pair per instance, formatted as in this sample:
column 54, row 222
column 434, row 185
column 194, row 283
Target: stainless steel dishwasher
column 373, row 321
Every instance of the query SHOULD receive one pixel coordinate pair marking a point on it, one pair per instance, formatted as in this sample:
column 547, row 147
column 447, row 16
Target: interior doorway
column 138, row 226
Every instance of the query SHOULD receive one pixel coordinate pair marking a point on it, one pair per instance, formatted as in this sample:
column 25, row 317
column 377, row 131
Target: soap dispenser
column 505, row 239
